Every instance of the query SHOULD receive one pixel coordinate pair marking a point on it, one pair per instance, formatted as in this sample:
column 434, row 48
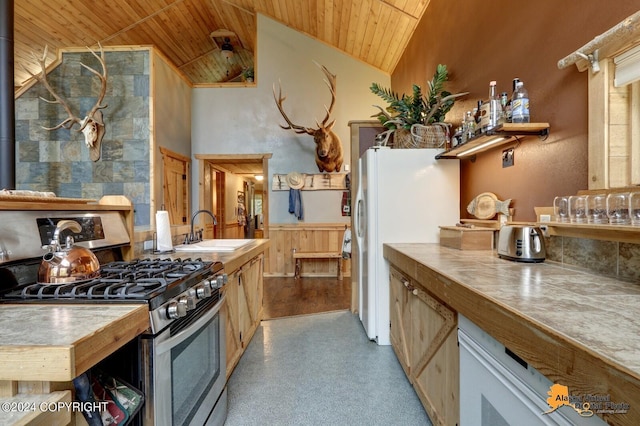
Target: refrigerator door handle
column 359, row 212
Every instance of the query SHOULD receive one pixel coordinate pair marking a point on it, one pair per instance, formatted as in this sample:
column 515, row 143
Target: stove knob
column 220, row 281
column 176, row 310
column 188, row 301
column 212, row 284
column 203, row 291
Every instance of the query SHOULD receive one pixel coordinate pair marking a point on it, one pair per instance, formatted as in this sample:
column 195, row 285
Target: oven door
column 187, row 365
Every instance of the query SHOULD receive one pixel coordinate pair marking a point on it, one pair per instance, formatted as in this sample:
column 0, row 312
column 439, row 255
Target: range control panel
column 91, row 229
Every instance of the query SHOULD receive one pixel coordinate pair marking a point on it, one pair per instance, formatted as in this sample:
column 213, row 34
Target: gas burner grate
column 139, row 279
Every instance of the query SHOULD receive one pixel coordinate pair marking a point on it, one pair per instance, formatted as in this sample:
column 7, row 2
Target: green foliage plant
column 406, row 110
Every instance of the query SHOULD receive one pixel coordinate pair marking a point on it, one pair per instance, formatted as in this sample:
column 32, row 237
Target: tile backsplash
column 610, row 258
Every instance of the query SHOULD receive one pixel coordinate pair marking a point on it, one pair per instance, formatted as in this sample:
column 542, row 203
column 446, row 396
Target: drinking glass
column 597, row 209
column 578, row 208
column 634, row 208
column 561, row 208
column 618, row 208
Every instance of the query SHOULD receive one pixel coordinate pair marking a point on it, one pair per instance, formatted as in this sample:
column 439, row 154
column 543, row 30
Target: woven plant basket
column 432, row 136
column 402, row 139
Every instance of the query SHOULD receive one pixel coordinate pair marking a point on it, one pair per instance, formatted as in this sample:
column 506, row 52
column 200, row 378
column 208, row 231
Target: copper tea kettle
column 69, row 264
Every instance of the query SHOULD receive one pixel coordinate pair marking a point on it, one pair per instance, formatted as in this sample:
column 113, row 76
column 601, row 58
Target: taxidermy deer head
column 92, row 125
column 328, row 145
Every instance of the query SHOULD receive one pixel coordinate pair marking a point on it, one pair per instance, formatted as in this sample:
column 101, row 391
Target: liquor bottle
column 514, row 84
column 495, row 107
column 520, row 104
column 470, row 124
column 504, row 102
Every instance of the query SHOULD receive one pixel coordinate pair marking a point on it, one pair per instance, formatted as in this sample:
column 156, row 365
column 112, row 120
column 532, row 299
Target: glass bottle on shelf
column 520, row 104
column 514, row 85
column 495, row 107
column 470, row 124
column 504, row 102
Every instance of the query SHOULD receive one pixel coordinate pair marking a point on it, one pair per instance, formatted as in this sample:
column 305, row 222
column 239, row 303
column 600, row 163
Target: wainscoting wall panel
column 323, row 237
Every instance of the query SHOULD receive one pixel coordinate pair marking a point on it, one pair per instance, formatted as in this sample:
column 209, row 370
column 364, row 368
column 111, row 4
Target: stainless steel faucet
column 191, row 237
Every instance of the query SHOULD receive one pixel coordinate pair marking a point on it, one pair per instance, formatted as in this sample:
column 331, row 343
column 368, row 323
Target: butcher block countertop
column 59, row 342
column 579, row 329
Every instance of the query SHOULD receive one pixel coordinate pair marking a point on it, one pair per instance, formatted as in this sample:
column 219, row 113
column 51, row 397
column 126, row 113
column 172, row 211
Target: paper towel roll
column 163, row 230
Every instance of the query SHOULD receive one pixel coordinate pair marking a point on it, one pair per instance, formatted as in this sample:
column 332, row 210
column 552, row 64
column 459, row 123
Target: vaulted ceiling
column 373, row 31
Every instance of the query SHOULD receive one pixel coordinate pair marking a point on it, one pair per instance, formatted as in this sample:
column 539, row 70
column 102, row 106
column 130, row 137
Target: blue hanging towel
column 295, row 203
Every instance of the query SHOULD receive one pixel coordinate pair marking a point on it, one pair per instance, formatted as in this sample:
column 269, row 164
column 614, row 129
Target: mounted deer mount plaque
column 328, row 144
column 92, row 125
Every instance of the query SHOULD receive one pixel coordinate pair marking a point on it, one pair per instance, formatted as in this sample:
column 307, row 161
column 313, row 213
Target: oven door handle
column 174, row 341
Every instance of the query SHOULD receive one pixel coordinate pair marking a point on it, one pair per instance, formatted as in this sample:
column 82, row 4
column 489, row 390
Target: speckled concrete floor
column 320, row 370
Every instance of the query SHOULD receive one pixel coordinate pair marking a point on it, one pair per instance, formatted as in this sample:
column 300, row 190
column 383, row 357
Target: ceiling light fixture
column 258, row 177
column 227, row 49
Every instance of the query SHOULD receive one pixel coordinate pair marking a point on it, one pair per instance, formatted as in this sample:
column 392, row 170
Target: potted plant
column 247, row 74
column 417, row 117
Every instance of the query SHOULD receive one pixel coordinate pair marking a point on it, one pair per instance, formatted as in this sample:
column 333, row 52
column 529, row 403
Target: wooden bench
column 300, row 255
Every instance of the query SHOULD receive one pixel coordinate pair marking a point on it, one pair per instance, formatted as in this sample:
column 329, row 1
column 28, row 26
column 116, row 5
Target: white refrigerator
column 404, row 195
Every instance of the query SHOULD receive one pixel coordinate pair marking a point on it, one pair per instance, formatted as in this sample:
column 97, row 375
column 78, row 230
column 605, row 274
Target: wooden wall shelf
column 501, row 135
column 619, row 233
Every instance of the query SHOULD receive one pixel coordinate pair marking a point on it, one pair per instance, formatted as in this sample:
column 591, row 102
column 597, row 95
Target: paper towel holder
column 155, row 246
column 155, row 241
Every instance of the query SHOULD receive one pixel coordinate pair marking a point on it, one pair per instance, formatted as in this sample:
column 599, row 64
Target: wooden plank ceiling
column 373, row 31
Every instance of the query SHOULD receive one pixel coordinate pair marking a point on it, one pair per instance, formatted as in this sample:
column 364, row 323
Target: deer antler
column 103, row 83
column 92, row 125
column 279, row 100
column 69, row 122
column 331, row 84
column 42, row 78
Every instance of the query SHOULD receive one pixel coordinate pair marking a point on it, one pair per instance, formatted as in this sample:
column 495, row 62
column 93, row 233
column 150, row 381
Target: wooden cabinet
column 250, row 299
column 400, row 315
column 424, row 338
column 243, row 308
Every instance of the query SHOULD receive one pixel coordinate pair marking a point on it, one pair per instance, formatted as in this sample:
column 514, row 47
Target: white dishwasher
column 497, row 388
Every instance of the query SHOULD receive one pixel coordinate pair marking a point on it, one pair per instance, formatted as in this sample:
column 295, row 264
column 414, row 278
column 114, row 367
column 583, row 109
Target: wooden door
column 435, row 358
column 175, row 186
column 400, row 332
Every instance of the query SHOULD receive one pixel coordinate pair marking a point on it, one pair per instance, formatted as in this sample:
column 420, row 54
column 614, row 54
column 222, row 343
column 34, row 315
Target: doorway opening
column 231, row 188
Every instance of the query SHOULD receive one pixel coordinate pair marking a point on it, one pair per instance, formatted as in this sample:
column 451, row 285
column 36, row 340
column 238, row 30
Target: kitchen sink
column 214, row 245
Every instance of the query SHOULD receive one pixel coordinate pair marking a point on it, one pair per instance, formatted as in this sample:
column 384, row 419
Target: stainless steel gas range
column 179, row 363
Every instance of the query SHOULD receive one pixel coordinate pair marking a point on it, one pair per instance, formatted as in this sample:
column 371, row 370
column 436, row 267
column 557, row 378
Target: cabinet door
column 232, row 322
column 400, row 312
column 250, row 298
column 435, row 357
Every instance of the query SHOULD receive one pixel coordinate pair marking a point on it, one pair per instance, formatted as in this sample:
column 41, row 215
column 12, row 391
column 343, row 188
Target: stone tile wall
column 611, row 258
column 59, row 160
